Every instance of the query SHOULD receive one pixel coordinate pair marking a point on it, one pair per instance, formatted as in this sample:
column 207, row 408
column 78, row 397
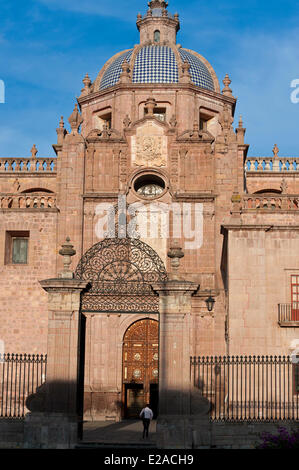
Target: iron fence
column 248, row 388
column 20, row 376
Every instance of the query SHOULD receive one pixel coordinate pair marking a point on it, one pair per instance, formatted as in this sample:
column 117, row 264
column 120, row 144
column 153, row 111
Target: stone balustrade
column 27, row 201
column 28, row 165
column 272, row 164
column 270, row 202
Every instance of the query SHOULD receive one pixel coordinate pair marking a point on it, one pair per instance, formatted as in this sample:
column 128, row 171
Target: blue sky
column 47, row 46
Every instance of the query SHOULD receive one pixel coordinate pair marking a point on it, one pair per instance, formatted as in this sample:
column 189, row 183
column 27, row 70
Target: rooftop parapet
column 272, row 164
column 29, row 165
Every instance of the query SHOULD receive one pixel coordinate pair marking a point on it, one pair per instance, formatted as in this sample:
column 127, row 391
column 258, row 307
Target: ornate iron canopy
column 120, row 272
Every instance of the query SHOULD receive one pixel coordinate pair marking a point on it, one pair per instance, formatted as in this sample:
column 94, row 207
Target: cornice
column 265, row 227
column 22, row 174
column 194, row 196
column 274, row 174
column 119, row 87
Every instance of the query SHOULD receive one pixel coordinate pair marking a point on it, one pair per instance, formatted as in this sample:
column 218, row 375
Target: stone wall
column 184, row 432
column 260, row 266
column 23, row 303
column 11, row 433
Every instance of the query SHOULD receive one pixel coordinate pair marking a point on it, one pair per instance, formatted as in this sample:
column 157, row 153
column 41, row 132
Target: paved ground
column 124, row 433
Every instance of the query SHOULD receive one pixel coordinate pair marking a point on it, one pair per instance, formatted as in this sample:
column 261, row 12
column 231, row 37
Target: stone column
column 63, row 344
column 174, row 338
column 174, row 362
column 55, row 423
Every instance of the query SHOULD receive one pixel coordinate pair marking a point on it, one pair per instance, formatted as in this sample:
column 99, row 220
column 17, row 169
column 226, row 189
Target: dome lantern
column 158, row 25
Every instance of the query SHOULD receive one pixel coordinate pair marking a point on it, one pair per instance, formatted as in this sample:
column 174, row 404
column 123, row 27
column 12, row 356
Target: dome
column 158, row 64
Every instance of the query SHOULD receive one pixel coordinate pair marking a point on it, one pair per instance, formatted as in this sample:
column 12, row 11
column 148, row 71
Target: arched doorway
column 120, row 272
column 140, row 367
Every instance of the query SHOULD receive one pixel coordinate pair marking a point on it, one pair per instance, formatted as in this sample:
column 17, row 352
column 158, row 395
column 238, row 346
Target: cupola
column 158, row 26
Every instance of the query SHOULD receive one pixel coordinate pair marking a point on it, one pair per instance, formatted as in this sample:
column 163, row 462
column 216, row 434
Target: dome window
column 157, row 36
column 149, row 186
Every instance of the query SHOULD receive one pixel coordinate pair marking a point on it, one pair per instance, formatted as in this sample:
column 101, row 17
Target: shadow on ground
column 125, row 432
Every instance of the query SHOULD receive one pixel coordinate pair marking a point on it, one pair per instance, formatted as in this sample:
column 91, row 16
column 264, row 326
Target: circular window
column 149, row 186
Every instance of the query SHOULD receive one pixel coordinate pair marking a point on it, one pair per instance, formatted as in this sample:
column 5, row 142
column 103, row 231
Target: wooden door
column 140, row 365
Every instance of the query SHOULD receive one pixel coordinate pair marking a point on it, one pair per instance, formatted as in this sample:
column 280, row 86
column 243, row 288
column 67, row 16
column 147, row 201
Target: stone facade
column 142, row 132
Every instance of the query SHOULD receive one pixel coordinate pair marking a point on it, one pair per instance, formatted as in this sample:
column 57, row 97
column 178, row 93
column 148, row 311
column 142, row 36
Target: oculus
column 149, row 186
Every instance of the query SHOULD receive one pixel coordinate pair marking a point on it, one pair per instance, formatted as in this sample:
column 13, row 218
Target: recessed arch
column 268, row 191
column 37, row 190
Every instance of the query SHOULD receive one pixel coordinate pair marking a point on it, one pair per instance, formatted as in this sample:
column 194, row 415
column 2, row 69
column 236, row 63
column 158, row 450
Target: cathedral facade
column 151, row 185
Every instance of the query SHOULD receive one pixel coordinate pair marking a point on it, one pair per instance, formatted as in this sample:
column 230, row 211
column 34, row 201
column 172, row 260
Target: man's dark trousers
column 146, row 423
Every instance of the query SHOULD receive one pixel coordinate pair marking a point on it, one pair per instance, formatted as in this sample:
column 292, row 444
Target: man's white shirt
column 147, row 413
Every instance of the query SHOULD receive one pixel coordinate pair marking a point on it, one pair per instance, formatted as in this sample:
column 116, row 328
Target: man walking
column 146, row 415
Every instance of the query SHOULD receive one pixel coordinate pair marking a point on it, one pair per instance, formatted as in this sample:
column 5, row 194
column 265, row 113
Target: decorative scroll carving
column 149, row 146
column 120, row 272
column 149, row 151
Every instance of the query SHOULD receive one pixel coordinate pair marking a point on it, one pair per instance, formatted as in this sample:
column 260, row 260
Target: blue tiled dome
column 155, row 64
column 200, row 74
column 158, row 64
column 112, row 74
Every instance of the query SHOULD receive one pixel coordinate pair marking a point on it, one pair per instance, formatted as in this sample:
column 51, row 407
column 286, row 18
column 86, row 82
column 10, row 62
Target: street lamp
column 210, row 303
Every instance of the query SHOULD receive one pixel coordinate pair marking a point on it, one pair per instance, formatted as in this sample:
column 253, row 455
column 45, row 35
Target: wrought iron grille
column 120, row 272
column 248, row 388
column 20, row 376
column 288, row 313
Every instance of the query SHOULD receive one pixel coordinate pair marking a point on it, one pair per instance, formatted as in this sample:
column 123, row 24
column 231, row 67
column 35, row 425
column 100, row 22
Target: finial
column 105, row 133
column 227, row 90
column 75, row 120
column 61, row 132
column 67, row 251
column 275, row 150
column 186, row 77
column 34, row 151
column 139, row 16
column 127, row 122
column 173, row 122
column 125, row 74
column 240, row 131
column 284, row 186
column 175, row 253
column 186, row 66
column 87, row 82
column 150, row 105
